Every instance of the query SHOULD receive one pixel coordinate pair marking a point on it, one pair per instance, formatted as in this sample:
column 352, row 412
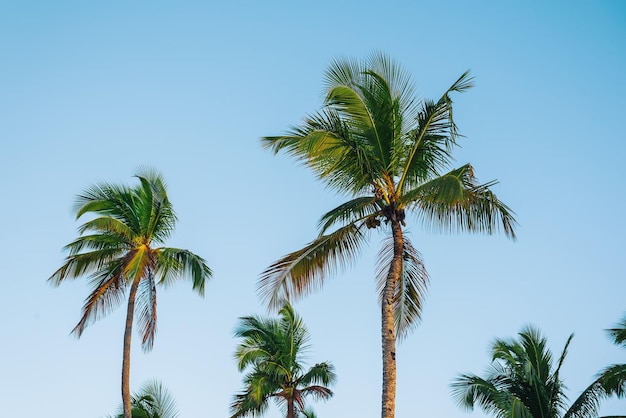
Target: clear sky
column 91, row 91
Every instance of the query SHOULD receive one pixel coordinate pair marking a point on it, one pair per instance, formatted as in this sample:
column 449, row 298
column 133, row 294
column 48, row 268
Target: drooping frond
column 82, row 264
column 146, row 310
column 109, row 286
column 411, row 287
column 319, row 374
column 173, row 264
column 455, row 202
column 303, row 271
column 613, row 380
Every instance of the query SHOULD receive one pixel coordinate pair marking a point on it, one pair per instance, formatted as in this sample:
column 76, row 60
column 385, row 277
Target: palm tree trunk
column 388, row 327
column 291, row 413
column 128, row 332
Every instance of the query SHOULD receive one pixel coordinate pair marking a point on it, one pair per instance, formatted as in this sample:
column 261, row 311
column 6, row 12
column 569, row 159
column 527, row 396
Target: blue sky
column 91, row 91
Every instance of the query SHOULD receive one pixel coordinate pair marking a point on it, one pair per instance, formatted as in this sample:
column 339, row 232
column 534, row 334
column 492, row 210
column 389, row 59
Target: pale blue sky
column 90, row 91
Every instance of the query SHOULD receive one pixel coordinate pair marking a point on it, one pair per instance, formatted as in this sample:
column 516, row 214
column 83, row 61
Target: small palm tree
column 271, row 351
column 523, row 382
column 152, row 401
column 390, row 153
column 118, row 252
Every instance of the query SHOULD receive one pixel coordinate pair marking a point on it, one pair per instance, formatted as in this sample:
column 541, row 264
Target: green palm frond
column 351, row 211
column 618, row 334
column 304, row 271
column 411, row 287
column 435, row 132
column 108, row 292
column 112, row 227
column 146, row 310
column 320, row 374
column 102, row 241
column 82, row 264
column 455, row 202
column 613, row 380
column 173, row 264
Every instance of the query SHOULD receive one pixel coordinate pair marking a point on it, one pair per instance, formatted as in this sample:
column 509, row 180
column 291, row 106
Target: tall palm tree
column 523, row 382
column 389, row 151
column 270, row 350
column 118, row 251
column 152, row 401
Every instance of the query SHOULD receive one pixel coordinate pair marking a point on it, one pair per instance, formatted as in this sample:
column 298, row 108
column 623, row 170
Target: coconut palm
column 390, row 152
column 152, row 401
column 524, row 382
column 271, row 350
column 118, row 251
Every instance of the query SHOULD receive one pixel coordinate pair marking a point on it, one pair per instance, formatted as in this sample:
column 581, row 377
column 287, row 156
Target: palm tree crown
column 391, row 153
column 153, row 400
column 523, row 381
column 271, row 349
column 118, row 250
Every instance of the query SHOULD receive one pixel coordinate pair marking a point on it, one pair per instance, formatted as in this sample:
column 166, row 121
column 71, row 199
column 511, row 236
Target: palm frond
column 305, row 270
column 455, row 202
column 319, row 374
column 79, row 265
column 618, row 334
column 109, row 287
column 411, row 288
column 146, row 305
column 173, row 264
column 436, row 133
column 351, row 211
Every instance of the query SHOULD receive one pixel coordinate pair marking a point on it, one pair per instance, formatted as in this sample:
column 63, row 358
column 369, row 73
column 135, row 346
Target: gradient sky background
column 91, row 91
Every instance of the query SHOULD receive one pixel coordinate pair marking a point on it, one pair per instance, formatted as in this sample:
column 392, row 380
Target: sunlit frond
column 109, row 287
column 411, row 287
column 455, row 202
column 303, row 271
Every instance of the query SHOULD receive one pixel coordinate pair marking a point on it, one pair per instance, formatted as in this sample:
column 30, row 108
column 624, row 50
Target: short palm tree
column 118, row 251
column 390, row 152
column 152, row 401
column 271, row 350
column 523, row 382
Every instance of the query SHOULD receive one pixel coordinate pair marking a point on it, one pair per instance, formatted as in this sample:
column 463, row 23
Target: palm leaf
column 146, row 309
column 411, row 288
column 455, row 202
column 351, row 211
column 303, row 271
column 173, row 264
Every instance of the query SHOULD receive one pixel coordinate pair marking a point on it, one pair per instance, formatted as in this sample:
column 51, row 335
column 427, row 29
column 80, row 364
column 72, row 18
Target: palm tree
column 152, row 401
column 271, row 351
column 117, row 251
column 388, row 151
column 523, row 382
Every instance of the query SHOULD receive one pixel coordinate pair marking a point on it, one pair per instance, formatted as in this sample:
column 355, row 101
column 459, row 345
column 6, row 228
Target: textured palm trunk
column 128, row 332
column 388, row 328
column 291, row 412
